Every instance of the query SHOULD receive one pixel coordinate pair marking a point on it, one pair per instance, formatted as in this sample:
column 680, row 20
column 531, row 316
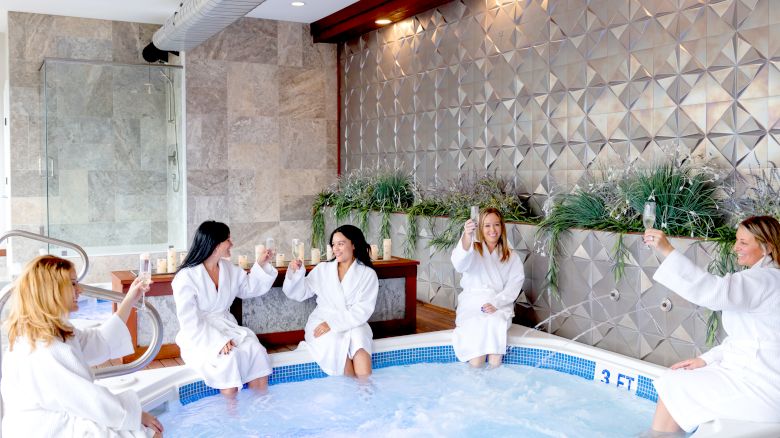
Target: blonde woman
column 47, row 385
column 492, row 278
column 740, row 378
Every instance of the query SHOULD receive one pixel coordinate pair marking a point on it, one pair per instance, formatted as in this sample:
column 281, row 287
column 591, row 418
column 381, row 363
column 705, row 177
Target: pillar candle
column 243, row 262
column 374, row 252
column 171, row 259
column 259, row 250
column 182, row 256
column 279, row 260
column 315, row 256
column 329, row 252
column 301, row 252
column 387, row 249
column 162, row 266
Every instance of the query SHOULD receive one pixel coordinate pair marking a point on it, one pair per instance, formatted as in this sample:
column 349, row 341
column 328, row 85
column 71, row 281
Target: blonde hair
column 41, row 301
column 766, row 230
column 503, row 244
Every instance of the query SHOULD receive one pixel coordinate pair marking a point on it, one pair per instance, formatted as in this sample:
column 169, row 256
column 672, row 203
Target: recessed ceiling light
column 298, row 4
column 382, row 21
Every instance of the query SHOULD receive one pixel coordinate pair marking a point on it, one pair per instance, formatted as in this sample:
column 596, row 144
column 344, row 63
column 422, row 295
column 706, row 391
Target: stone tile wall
column 261, row 130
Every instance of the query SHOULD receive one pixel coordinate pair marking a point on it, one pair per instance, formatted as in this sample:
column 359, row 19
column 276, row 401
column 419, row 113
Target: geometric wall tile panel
column 540, row 91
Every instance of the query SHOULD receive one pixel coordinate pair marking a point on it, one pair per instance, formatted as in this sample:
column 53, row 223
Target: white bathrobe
column 485, row 280
column 206, row 324
column 741, row 380
column 49, row 391
column 345, row 305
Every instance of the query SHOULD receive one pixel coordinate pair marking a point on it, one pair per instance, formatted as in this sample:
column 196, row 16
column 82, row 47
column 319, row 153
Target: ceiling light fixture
column 382, row 21
column 298, row 4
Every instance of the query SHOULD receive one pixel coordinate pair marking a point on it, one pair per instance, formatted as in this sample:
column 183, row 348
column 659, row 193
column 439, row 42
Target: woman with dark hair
column 740, row 378
column 492, row 278
column 337, row 333
column 226, row 354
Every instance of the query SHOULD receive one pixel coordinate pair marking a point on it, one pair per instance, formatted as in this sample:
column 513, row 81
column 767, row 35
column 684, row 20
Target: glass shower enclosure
column 113, row 155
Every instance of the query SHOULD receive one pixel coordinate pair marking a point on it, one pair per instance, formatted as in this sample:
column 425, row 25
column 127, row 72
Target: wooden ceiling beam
column 359, row 18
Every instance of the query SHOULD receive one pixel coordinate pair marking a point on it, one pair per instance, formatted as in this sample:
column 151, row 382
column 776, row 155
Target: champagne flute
column 294, row 252
column 269, row 244
column 475, row 219
column 648, row 216
column 145, row 274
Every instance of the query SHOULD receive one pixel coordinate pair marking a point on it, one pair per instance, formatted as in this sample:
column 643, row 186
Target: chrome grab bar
column 104, row 294
column 46, row 239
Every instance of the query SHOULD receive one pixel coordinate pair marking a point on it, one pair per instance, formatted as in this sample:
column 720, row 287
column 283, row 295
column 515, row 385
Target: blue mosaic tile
column 645, row 389
column 533, row 357
column 538, row 358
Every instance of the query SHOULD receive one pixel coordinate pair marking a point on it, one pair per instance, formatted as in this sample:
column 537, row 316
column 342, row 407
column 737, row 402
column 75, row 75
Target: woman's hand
column 488, row 308
column 228, row 347
column 137, row 289
column 469, row 229
column 689, row 364
column 657, row 239
column 295, row 265
column 321, row 329
column 265, row 257
column 151, row 422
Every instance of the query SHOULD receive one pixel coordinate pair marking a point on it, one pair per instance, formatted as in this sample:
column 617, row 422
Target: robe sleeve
column 258, row 282
column 298, row 286
column 715, row 354
column 462, row 260
column 72, row 393
column 514, row 284
column 110, row 340
column 358, row 313
column 207, row 337
column 740, row 291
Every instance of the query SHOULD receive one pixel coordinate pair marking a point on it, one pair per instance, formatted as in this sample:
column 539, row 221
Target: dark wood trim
column 2, row 250
column 358, row 18
column 167, row 351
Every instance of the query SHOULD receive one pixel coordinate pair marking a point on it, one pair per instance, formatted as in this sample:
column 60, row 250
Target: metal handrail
column 47, row 239
column 96, row 292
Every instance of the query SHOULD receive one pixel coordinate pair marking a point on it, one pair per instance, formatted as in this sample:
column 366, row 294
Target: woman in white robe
column 337, row 333
column 492, row 279
column 740, row 378
column 47, row 384
column 224, row 353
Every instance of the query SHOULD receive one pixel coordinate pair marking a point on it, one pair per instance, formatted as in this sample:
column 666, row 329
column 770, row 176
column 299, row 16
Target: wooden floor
column 430, row 318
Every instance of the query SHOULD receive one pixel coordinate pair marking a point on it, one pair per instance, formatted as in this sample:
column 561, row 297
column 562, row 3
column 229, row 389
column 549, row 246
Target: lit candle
column 171, row 259
column 279, row 260
column 315, row 256
column 301, row 252
column 243, row 262
column 162, row 266
column 329, row 252
column 259, row 250
column 387, row 249
column 374, row 252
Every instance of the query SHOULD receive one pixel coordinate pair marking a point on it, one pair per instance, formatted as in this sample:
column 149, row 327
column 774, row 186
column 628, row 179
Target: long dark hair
column 208, row 235
column 354, row 235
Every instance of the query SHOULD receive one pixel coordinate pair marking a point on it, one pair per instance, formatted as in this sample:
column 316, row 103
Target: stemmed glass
column 648, row 216
column 294, row 252
column 475, row 219
column 145, row 274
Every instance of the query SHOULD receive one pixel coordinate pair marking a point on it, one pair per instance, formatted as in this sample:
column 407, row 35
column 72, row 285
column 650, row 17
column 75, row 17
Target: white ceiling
column 157, row 11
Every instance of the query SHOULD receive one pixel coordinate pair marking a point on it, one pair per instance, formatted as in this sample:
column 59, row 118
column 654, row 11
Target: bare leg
column 260, row 384
column 362, row 364
column 349, row 368
column 229, row 392
column 663, row 421
column 494, row 360
column 477, row 362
